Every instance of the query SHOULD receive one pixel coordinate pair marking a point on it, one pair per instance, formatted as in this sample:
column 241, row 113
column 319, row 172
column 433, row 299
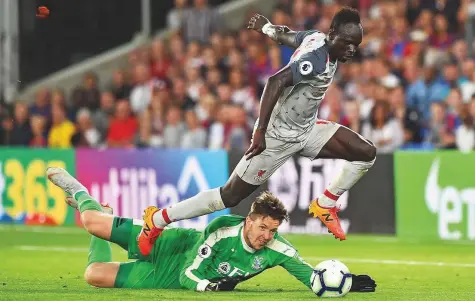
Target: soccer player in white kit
column 288, row 125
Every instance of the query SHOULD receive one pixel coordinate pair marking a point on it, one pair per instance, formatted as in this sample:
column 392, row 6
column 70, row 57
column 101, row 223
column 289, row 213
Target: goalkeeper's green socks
column 99, row 251
column 86, row 202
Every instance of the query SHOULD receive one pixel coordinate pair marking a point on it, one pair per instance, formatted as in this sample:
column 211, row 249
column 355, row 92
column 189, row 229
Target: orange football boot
column 149, row 233
column 329, row 218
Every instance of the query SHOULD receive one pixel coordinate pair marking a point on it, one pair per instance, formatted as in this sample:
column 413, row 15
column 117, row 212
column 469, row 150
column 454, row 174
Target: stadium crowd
column 411, row 85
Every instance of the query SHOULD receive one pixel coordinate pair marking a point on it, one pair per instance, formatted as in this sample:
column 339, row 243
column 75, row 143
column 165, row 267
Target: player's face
column 260, row 231
column 344, row 41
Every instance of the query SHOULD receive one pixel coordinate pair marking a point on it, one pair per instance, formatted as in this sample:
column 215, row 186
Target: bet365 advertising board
column 129, row 180
column 435, row 195
column 26, row 194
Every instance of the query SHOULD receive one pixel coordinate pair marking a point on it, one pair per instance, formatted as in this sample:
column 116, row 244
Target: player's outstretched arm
column 279, row 33
column 274, row 88
column 301, row 270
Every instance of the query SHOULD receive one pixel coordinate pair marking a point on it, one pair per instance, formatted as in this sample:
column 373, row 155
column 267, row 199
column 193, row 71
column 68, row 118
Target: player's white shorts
column 257, row 170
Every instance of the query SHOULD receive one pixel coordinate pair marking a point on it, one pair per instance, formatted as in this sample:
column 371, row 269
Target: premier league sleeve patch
column 305, row 67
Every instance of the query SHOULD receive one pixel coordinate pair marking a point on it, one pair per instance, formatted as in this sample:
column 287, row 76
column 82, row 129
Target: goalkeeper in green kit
column 230, row 250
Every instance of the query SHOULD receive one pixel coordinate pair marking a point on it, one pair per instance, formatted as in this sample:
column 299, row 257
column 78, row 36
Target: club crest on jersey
column 259, row 175
column 257, row 262
column 204, row 251
column 224, row 268
column 305, row 67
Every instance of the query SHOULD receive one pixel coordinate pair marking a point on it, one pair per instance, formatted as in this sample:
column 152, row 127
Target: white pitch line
column 349, row 260
column 56, row 249
column 41, row 229
column 399, row 262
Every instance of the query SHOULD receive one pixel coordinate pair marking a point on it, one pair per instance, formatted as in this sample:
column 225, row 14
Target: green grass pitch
column 42, row 263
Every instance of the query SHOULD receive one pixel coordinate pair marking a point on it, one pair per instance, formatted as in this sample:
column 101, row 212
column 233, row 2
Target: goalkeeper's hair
column 268, row 205
column 346, row 15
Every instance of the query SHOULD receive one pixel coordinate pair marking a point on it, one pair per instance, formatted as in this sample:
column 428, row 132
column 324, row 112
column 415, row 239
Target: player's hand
column 362, row 284
column 257, row 22
column 258, row 144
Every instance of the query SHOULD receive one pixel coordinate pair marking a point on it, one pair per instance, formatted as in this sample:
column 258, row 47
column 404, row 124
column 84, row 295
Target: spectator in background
column 468, row 88
column 258, row 65
column 352, row 113
column 205, row 109
column 333, row 104
column 195, row 135
column 104, row 114
column 385, row 132
column 38, row 129
column 177, row 50
column 242, row 94
column 465, row 133
column 455, row 105
column 409, row 118
column 62, row 129
column 21, row 130
column 160, row 59
column 175, row 16
column 217, row 128
column 88, row 95
column 421, row 94
column 174, row 128
column 123, row 126
column 238, row 136
column 442, row 126
column 200, row 22
column 180, row 96
column 120, row 87
column 142, row 91
column 194, row 83
column 224, row 93
column 152, row 124
column 59, row 98
column 86, row 135
column 440, row 37
column 42, row 104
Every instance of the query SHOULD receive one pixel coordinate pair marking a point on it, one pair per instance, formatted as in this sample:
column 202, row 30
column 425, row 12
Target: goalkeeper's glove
column 362, row 283
column 212, row 287
column 222, row 285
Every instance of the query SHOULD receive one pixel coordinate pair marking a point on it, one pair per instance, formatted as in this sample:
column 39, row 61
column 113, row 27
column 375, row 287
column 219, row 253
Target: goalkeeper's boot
column 329, row 217
column 149, row 233
column 61, row 178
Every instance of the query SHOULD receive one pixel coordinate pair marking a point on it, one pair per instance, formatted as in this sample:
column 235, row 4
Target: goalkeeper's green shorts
column 159, row 270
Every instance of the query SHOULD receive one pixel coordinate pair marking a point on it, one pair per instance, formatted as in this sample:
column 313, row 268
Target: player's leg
column 332, row 141
column 98, row 219
column 246, row 178
column 360, row 155
column 93, row 219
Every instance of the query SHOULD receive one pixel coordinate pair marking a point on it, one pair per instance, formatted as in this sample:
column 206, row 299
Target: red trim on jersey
column 165, row 216
column 330, row 195
column 322, row 122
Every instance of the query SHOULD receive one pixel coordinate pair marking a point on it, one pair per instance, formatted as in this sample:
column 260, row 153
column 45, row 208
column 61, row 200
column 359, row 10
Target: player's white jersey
column 295, row 112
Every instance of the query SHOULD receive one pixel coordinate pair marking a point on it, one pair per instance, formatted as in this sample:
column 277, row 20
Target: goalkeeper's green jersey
column 220, row 252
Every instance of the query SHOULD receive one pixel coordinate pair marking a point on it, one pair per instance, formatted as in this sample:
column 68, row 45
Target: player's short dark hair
column 346, row 15
column 268, row 205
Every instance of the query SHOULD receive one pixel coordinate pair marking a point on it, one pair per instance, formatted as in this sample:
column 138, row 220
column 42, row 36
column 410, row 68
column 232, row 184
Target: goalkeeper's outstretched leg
column 95, row 221
column 99, row 221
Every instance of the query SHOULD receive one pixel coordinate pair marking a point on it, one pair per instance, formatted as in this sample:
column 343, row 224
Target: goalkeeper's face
column 260, row 230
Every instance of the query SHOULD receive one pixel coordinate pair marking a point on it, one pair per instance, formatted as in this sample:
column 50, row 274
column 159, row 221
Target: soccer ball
column 331, row 278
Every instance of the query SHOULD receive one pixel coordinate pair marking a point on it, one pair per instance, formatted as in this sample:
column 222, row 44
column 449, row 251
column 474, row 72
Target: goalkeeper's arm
column 303, row 272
